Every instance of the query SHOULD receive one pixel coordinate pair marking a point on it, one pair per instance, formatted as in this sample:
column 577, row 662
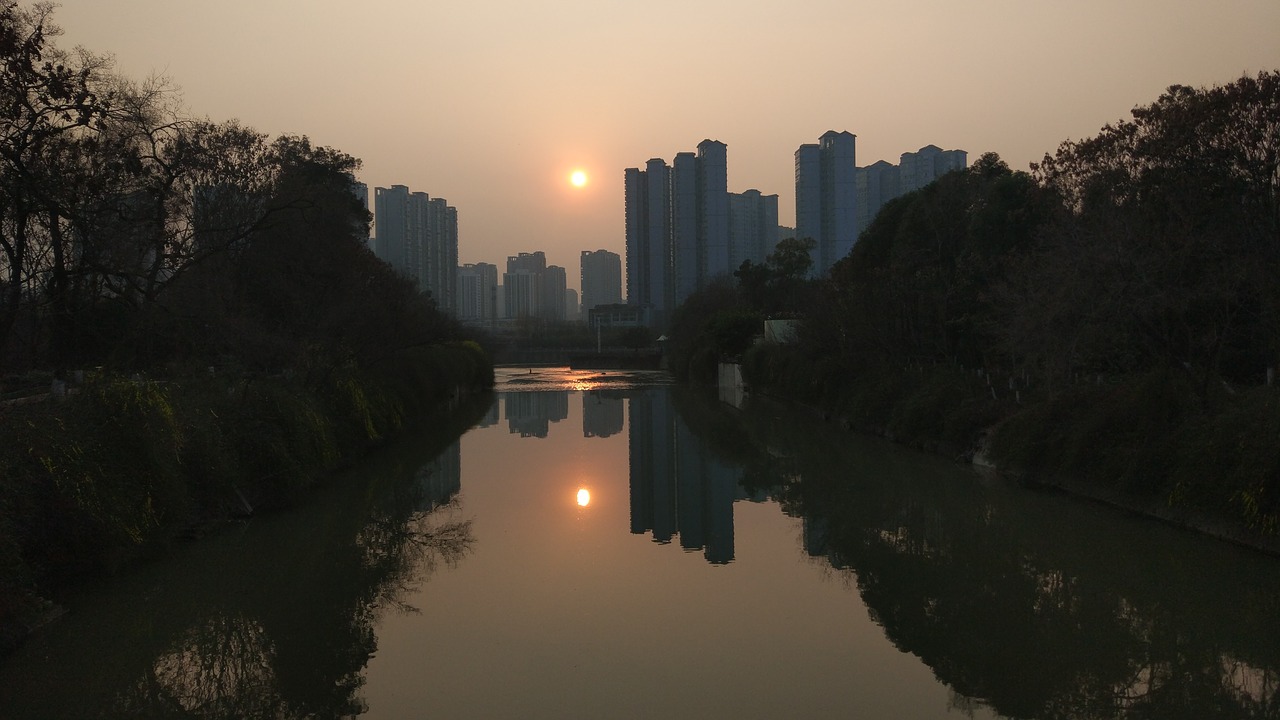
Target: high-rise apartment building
column 713, row 212
column 677, row 227
column 686, row 261
column 554, row 282
column 753, row 227
column 601, row 279
column 522, row 284
column 881, row 181
column 418, row 236
column 391, row 226
column 917, row 169
column 477, row 296
column 648, row 236
column 441, row 252
column 417, row 253
column 533, row 289
column 877, row 184
column 825, row 197
column 572, row 310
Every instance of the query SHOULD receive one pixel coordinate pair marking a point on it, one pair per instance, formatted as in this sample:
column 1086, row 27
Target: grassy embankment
column 1148, row 441
column 123, row 466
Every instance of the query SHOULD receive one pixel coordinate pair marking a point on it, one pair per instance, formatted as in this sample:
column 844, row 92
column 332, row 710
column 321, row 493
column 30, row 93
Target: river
column 607, row 545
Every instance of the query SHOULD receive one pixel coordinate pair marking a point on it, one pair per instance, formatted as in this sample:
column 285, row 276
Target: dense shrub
column 1228, row 462
column 125, row 465
column 1153, row 435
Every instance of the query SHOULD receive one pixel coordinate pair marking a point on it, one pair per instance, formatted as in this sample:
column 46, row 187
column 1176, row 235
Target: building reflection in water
column 490, row 417
column 602, row 413
column 530, row 414
column 440, row 479
column 678, row 487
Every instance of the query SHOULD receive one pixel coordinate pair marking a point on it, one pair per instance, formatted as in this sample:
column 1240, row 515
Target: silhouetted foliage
column 1166, row 248
column 635, row 338
column 780, row 286
column 700, row 325
column 232, row 267
column 1095, row 315
column 917, row 282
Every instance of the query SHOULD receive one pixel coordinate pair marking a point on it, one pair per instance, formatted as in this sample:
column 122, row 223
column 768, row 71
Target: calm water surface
column 610, row 546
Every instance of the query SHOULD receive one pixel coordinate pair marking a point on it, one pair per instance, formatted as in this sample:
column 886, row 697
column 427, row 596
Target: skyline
column 493, row 105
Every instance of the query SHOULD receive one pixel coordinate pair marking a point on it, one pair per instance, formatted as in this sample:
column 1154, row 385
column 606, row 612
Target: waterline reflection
column 823, row 575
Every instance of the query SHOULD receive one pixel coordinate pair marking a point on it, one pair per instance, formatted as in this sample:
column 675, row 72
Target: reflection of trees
column 404, row 552
column 222, row 668
column 1036, row 605
column 276, row 622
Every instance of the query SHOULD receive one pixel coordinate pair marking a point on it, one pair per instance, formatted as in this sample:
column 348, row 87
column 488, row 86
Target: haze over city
column 493, row 105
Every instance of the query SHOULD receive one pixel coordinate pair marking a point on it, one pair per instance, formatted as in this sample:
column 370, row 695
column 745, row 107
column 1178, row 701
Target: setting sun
column 584, row 497
column 578, row 178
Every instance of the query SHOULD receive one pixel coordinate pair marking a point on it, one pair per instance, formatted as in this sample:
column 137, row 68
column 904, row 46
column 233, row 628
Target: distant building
column 877, row 184
column 713, row 212
column 686, row 263
column 418, row 236
column 441, row 253
column 679, row 230
column 601, row 279
column 533, row 289
column 753, row 227
column 881, row 181
column 391, row 227
column 571, row 309
column 522, row 285
column 615, row 316
column 825, row 197
column 554, row 280
column 477, row 297
column 917, row 169
column 648, row 235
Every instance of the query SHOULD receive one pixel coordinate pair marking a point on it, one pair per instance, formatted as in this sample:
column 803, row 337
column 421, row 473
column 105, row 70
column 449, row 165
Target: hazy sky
column 491, row 104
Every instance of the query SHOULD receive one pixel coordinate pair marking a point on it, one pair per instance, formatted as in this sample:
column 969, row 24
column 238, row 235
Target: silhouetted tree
column 916, row 284
column 1167, row 247
column 49, row 109
column 636, row 338
column 780, row 285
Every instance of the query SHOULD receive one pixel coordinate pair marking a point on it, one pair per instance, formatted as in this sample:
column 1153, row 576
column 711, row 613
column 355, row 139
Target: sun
column 578, row 178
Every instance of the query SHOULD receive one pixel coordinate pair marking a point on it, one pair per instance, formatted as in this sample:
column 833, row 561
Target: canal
column 607, row 545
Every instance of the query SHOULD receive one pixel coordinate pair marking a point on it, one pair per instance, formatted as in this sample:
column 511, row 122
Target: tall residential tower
column 601, row 279
column 677, row 227
column 825, row 197
column 418, row 236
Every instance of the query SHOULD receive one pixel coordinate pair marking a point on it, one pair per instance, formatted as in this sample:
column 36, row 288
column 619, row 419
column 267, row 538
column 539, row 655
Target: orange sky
column 491, row 104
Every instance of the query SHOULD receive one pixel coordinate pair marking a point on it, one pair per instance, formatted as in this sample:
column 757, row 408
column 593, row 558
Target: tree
column 636, row 338
column 780, row 285
column 49, row 108
column 1166, row 250
column 916, row 285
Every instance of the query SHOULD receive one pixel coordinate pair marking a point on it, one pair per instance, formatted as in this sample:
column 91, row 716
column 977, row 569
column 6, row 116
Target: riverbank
column 125, row 466
column 1147, row 443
